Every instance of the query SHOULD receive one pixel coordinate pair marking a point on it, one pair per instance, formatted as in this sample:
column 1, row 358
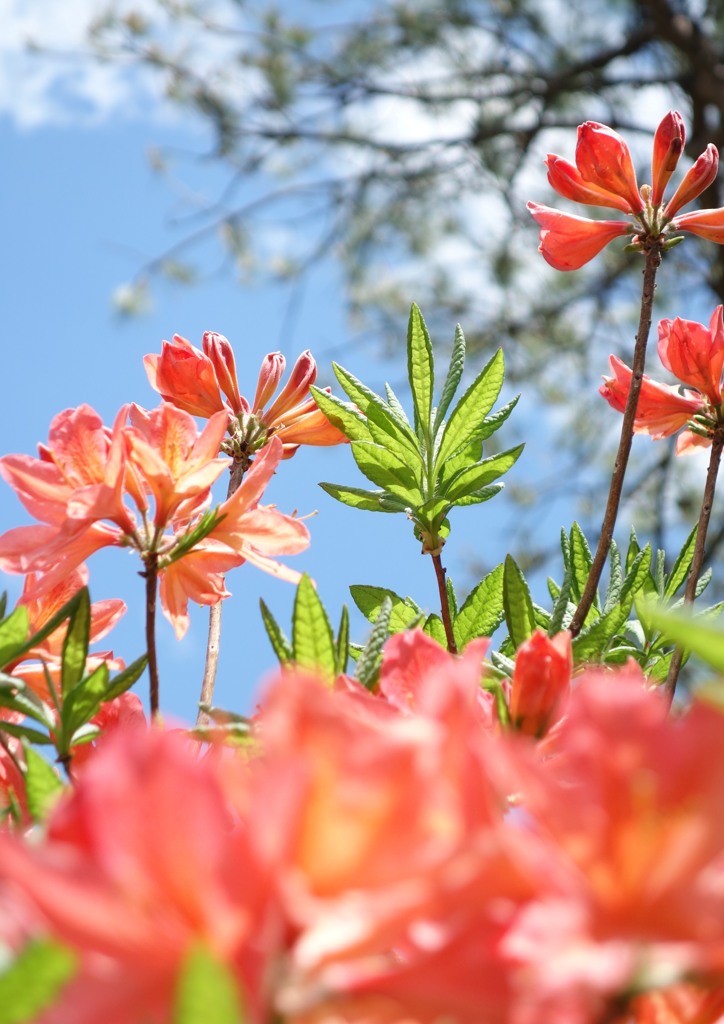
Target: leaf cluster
column 426, row 466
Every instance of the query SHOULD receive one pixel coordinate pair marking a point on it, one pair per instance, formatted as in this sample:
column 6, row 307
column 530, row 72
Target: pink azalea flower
column 604, row 175
column 541, row 682
column 142, row 862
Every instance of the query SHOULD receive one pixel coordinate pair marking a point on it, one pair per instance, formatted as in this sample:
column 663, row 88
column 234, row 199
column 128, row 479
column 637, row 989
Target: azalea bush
column 491, row 811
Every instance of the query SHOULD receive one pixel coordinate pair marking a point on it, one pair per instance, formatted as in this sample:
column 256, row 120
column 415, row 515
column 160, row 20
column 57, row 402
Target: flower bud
column 270, row 374
column 668, row 146
column 221, row 354
column 541, row 679
column 296, row 389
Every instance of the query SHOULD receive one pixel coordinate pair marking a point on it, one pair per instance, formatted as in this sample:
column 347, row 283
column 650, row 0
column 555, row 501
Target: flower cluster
column 205, row 382
column 695, row 354
column 366, row 864
column 603, row 175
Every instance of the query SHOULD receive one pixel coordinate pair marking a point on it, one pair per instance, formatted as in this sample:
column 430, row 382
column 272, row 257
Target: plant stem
column 444, row 604
column 699, row 546
column 653, row 261
column 150, row 573
column 213, row 641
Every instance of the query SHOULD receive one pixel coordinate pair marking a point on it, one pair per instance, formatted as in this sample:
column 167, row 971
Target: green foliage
column 313, row 645
column 42, row 784
column 427, row 468
column 207, row 991
column 65, row 721
column 33, row 980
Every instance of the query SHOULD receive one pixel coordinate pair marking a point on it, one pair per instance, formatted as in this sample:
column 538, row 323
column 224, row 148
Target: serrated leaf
column 342, row 415
column 126, row 678
column 681, row 566
column 638, row 575
column 356, row 497
column 395, row 404
column 368, row 666
column 453, row 378
column 13, row 634
column 207, row 991
column 369, row 600
column 312, row 642
column 592, row 644
column 659, row 573
column 560, row 614
column 615, row 582
column 42, row 784
column 434, row 627
column 468, row 481
column 383, row 468
column 342, row 644
column 451, row 598
column 517, row 603
column 482, row 610
column 33, row 980
column 496, row 419
column 383, row 425
column 420, row 369
column 467, row 418
column 280, row 645
column 581, row 561
column 75, row 645
column 484, row 494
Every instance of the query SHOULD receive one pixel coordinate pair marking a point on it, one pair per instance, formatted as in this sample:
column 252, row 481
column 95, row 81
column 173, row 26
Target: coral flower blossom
column 693, row 353
column 604, row 175
column 142, row 863
column 204, row 382
column 541, row 681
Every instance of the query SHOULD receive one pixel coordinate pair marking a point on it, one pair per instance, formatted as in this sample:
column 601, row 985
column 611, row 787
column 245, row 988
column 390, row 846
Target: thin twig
column 444, row 604
column 213, row 642
column 151, row 576
column 653, row 261
column 699, row 547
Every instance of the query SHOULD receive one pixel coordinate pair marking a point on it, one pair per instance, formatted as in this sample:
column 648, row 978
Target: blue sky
column 82, row 213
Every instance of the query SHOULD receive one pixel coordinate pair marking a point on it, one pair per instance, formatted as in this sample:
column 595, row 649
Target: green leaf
column 42, row 784
column 454, row 376
column 592, row 645
column 342, row 415
column 3, row 604
column 395, row 404
column 369, row 600
column 468, row 481
column 33, row 980
column 368, row 666
column 84, row 700
column 13, row 634
column 681, row 566
column 383, row 468
column 420, row 369
column 356, row 497
column 695, row 637
column 435, row 628
column 615, row 582
column 18, row 697
column 476, row 497
column 207, row 991
column 75, row 645
column 451, row 598
column 482, row 610
column 342, row 645
column 125, row 679
column 208, row 522
column 495, row 421
column 26, row 732
column 312, row 641
column 581, row 562
column 280, row 645
column 517, row 603
column 383, row 425
column 467, row 418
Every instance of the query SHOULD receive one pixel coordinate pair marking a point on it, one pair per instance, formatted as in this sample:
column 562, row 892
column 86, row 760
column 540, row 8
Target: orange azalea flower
column 203, row 383
column 541, row 681
column 141, row 864
column 604, row 175
column 695, row 354
column 245, row 532
column 661, row 410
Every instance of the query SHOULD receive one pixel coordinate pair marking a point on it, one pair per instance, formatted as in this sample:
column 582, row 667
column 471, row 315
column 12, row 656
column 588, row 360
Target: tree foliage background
column 401, row 138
